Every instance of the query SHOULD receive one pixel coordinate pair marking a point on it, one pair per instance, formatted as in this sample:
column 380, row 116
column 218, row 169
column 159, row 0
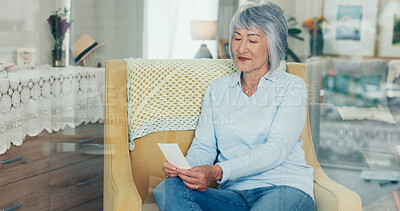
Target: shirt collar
column 270, row 75
column 236, row 78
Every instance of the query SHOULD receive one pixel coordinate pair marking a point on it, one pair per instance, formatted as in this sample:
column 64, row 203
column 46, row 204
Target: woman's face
column 250, row 50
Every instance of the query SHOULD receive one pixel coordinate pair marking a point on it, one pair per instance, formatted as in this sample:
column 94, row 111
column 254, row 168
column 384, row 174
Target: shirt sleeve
column 286, row 128
column 203, row 150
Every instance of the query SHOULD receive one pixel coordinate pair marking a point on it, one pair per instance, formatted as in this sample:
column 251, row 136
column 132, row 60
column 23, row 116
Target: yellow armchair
column 130, row 176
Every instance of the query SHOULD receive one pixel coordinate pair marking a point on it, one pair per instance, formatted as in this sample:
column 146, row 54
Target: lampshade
column 204, row 30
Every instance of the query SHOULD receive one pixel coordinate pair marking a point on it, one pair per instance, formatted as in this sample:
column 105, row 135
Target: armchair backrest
column 308, row 147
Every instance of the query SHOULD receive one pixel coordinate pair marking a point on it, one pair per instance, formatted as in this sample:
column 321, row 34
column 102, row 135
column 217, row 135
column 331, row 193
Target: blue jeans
column 172, row 194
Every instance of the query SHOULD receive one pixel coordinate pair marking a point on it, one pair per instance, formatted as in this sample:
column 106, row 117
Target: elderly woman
column 256, row 155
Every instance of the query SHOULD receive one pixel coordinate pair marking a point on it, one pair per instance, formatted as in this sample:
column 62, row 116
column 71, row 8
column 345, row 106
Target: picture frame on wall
column 223, row 48
column 350, row 28
column 389, row 22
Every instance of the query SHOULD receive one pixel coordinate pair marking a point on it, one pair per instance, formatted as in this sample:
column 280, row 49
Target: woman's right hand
column 169, row 169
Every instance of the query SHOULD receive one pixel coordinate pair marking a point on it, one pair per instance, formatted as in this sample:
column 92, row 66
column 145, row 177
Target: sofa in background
column 354, row 122
column 348, row 90
column 358, row 83
column 341, row 89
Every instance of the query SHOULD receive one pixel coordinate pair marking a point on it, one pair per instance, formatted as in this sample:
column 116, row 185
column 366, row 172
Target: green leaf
column 296, row 37
column 291, row 18
column 294, row 31
column 292, row 21
column 293, row 55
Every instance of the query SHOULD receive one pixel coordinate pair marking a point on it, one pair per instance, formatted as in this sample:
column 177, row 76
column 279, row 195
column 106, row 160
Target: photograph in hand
column 174, row 155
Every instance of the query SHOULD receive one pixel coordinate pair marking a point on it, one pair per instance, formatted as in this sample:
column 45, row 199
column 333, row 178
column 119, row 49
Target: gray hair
column 269, row 18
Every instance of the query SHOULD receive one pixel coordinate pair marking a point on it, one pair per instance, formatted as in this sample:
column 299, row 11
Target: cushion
column 338, row 83
column 367, row 87
column 361, row 67
column 352, row 90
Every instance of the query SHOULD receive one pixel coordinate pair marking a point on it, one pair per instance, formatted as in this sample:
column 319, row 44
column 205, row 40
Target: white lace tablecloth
column 48, row 99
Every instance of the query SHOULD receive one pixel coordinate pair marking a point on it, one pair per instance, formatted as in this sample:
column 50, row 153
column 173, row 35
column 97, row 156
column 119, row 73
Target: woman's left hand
column 199, row 177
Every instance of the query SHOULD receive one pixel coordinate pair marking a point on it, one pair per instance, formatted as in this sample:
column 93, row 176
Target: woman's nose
column 242, row 46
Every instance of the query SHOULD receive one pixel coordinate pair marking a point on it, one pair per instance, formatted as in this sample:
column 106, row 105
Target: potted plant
column 59, row 25
column 314, row 27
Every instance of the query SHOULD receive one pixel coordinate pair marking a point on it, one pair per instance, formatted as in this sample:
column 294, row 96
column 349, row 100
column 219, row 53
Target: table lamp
column 203, row 30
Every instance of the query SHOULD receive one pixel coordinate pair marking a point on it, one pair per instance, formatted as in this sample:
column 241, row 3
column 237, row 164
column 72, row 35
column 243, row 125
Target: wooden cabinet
column 31, row 158
column 73, row 145
column 57, row 171
column 85, row 179
column 27, row 194
column 95, row 204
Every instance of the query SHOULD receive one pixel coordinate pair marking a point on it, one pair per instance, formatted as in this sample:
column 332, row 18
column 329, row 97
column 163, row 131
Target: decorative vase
column 316, row 43
column 58, row 56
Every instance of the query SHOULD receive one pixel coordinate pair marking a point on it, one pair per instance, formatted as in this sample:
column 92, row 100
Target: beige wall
column 121, row 22
column 300, row 9
column 23, row 25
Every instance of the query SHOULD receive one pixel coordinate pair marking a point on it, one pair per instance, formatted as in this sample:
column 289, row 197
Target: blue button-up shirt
column 255, row 140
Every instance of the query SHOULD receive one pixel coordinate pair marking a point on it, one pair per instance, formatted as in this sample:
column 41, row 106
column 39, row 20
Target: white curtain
column 167, row 28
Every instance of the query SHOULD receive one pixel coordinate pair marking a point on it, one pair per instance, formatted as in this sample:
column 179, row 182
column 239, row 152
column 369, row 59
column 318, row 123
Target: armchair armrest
column 121, row 193
column 330, row 195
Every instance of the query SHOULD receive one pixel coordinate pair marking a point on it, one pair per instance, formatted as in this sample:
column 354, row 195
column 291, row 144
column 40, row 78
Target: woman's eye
column 237, row 39
column 252, row 41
